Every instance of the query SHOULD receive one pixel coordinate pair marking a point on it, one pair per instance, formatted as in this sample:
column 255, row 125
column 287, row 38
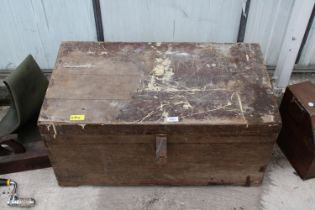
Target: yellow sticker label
column 76, row 117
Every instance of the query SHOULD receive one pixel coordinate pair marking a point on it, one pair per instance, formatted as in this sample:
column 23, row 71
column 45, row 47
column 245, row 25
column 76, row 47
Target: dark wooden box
column 152, row 113
column 296, row 138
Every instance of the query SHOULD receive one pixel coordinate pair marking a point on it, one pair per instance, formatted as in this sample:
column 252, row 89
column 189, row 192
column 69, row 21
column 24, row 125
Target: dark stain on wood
column 262, row 169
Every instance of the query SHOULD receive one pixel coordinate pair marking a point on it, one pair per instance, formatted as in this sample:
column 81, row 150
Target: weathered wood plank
column 135, row 164
column 194, row 82
column 196, row 138
column 35, row 157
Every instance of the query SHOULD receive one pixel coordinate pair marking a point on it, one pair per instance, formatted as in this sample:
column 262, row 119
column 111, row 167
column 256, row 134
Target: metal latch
column 161, row 149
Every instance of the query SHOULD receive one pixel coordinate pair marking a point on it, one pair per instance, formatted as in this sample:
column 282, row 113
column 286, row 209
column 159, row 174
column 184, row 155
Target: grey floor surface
column 281, row 189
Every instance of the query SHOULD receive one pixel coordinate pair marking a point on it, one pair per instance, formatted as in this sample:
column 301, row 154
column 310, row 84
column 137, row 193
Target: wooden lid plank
column 160, row 83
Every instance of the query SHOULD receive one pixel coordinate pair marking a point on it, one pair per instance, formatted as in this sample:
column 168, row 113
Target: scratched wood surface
column 145, row 83
column 213, row 103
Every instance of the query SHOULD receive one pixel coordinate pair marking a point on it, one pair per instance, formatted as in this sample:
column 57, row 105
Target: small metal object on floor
column 281, row 189
column 14, row 200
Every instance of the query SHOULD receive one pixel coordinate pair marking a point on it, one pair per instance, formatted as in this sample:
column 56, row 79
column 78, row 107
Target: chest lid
column 162, row 86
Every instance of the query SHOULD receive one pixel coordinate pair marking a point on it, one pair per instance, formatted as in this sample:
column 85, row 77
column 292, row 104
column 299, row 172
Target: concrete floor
column 281, row 189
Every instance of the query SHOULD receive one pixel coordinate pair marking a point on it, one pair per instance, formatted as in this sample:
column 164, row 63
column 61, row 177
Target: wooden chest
column 152, row 113
column 297, row 138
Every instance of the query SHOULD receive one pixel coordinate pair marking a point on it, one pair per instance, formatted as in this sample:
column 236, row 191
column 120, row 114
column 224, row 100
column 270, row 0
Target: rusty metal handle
column 161, row 149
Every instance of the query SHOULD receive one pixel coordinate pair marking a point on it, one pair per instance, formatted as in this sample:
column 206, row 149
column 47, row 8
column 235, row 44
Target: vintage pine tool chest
column 159, row 113
column 296, row 138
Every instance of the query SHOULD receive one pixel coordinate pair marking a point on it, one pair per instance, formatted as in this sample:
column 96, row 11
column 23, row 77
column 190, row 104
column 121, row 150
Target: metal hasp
column 161, row 149
column 14, row 200
column 297, row 25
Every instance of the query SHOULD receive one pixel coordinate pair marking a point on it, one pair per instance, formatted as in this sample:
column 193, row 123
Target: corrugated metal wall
column 308, row 53
column 38, row 26
column 171, row 20
column 267, row 24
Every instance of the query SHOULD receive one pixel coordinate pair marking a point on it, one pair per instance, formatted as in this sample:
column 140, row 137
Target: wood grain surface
column 145, row 83
column 135, row 164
